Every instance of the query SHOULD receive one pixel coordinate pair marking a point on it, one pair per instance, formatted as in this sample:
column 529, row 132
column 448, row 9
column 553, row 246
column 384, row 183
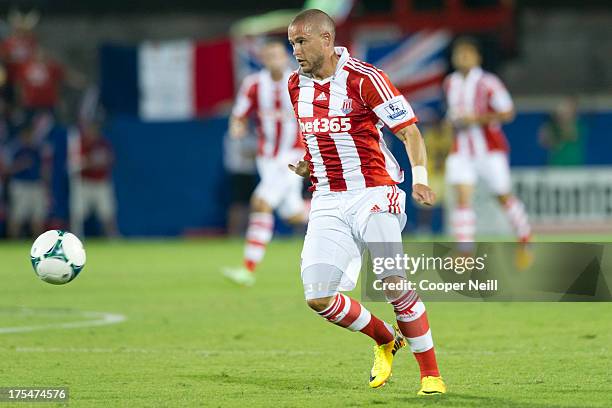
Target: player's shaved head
column 312, row 34
column 274, row 57
column 466, row 54
column 317, row 21
column 274, row 42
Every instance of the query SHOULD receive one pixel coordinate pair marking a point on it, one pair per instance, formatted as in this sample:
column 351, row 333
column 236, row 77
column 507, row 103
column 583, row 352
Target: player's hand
column 466, row 120
column 237, row 129
column 300, row 168
column 424, row 195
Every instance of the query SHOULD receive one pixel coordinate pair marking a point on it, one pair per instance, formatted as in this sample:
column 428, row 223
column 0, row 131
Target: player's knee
column 319, row 304
column 464, row 200
column 395, row 287
column 295, row 219
column 259, row 205
column 321, row 283
column 463, row 195
column 503, row 198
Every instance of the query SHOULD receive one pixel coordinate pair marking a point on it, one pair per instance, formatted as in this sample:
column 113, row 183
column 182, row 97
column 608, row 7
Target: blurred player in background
column 239, row 161
column 342, row 104
column 93, row 192
column 478, row 103
column 264, row 96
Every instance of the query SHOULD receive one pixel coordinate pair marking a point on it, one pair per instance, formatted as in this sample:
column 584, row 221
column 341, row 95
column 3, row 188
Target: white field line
column 94, row 319
column 212, row 353
column 135, row 350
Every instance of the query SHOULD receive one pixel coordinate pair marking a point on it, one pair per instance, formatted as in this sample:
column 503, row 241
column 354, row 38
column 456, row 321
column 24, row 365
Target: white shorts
column 336, row 234
column 279, row 187
column 493, row 167
column 95, row 197
column 28, row 201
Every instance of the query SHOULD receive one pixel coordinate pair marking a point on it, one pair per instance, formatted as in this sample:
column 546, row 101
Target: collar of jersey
column 343, row 53
column 283, row 81
column 475, row 73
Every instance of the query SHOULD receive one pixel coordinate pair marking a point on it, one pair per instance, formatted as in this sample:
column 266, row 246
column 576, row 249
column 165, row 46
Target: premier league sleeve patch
column 394, row 111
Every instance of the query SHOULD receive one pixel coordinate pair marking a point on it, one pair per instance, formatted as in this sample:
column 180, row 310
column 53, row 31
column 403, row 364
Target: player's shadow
column 454, row 399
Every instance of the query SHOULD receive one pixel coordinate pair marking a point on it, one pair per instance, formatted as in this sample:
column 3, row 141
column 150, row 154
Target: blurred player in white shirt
column 478, row 103
column 263, row 96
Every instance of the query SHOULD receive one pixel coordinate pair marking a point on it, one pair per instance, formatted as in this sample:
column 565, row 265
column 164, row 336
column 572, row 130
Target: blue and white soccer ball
column 57, row 257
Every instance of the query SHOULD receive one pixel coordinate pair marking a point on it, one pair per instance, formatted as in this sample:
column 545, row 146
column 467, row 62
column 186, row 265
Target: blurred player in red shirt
column 38, row 85
column 21, row 44
column 478, row 103
column 264, row 97
column 38, row 81
column 92, row 189
column 342, row 104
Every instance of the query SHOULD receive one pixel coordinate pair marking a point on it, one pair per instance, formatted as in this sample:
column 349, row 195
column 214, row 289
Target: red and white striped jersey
column 268, row 101
column 341, row 118
column 477, row 93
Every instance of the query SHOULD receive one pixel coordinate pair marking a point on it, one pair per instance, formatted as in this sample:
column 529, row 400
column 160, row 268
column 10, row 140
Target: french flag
column 167, row 81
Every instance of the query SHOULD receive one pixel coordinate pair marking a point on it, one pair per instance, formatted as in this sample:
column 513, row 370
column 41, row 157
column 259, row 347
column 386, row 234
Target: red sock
column 258, row 235
column 515, row 211
column 378, row 330
column 250, row 265
column 463, row 224
column 413, row 323
column 350, row 314
column 427, row 363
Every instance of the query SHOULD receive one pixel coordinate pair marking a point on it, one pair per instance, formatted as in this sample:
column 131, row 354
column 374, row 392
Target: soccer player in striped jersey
column 342, row 104
column 263, row 96
column 477, row 104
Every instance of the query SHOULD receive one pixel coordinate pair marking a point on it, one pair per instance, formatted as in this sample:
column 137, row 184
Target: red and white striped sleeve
column 380, row 95
column 246, row 100
column 293, row 86
column 499, row 97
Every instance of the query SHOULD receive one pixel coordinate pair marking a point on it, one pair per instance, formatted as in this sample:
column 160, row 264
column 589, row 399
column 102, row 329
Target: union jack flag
column 416, row 65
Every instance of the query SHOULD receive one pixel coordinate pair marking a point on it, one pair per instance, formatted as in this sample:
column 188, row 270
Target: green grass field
column 192, row 339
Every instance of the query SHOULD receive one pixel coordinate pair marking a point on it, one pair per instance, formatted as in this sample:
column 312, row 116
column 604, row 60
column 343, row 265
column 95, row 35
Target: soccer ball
column 57, row 257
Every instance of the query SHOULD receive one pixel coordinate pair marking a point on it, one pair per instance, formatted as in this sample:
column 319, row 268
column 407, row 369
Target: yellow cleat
column 240, row 276
column 383, row 359
column 524, row 257
column 432, row 386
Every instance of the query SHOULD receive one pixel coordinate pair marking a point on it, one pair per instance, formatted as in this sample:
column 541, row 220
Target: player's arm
column 243, row 108
column 415, row 147
column 238, row 126
column 489, row 117
column 302, row 167
column 393, row 109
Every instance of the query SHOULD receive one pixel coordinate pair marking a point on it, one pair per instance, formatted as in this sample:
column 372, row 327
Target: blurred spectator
column 564, row 135
column 239, row 160
column 92, row 190
column 38, row 85
column 29, row 172
column 19, row 46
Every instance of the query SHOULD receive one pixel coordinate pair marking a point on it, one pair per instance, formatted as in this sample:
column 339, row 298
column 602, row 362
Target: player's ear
column 327, row 38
